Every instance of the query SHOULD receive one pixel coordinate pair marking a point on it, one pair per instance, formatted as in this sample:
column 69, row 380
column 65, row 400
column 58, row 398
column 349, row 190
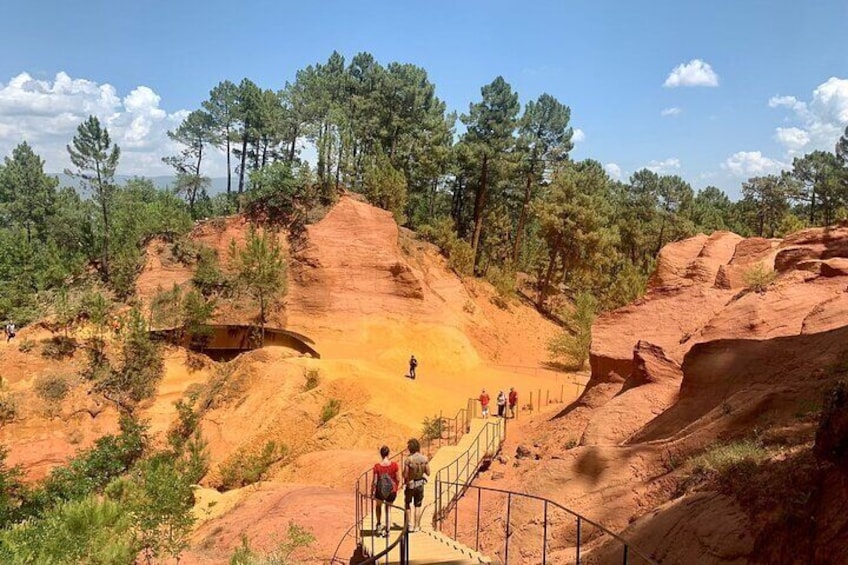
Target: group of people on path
column 386, row 482
column 503, row 401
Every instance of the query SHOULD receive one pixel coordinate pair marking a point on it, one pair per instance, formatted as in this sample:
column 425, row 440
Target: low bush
column 313, row 378
column 330, row 410
column 730, row 463
column 297, row 537
column 8, row 407
column 26, row 345
column 52, row 388
column 246, row 469
column 432, row 428
column 758, row 278
column 58, row 347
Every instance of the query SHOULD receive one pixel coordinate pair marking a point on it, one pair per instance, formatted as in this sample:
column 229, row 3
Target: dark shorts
column 392, row 497
column 415, row 495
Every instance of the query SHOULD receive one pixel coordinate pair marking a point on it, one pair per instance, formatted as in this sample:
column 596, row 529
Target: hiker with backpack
column 416, row 469
column 413, row 363
column 10, row 331
column 385, row 488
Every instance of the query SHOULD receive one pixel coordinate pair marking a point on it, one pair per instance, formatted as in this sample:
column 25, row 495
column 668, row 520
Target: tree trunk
column 479, row 205
column 339, row 163
column 543, row 290
column 813, row 205
column 229, row 167
column 293, row 145
column 243, row 163
column 105, row 212
column 522, row 219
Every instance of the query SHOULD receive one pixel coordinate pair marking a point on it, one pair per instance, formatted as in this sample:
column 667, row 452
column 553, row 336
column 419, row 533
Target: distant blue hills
column 217, row 185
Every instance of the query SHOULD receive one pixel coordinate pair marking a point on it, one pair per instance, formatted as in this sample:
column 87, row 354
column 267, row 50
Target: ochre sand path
column 428, row 546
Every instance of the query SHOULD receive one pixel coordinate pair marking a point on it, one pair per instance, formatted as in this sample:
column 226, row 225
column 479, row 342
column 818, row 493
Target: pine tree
column 28, row 193
column 96, row 159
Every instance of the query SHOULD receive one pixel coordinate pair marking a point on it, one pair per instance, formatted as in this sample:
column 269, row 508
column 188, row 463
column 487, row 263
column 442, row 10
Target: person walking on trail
column 385, row 489
column 413, row 363
column 416, row 469
column 10, row 331
column 501, row 404
column 513, row 402
column 484, row 403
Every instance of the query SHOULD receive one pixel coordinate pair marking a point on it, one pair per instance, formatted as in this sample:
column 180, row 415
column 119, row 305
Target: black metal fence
column 521, row 528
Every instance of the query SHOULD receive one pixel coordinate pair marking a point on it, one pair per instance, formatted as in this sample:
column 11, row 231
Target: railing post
column 455, row 517
column 545, row 536
column 508, row 509
column 479, row 496
column 625, row 554
column 578, row 540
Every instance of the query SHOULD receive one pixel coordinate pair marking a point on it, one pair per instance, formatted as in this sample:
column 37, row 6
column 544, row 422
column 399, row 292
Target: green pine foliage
column 572, row 345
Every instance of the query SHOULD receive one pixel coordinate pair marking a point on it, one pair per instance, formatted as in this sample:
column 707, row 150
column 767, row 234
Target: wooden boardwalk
column 429, row 547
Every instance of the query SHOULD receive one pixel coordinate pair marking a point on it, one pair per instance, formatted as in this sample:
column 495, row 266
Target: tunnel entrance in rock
column 224, row 342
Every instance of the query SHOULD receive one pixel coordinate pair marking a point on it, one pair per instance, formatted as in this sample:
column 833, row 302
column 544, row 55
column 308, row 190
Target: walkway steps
column 430, row 547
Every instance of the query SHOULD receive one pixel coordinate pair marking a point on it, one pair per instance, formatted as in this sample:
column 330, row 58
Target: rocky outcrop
column 698, row 294
column 651, row 388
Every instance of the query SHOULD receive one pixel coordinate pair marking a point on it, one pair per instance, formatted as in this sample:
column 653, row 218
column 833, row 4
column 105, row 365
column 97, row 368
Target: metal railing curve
column 630, row 555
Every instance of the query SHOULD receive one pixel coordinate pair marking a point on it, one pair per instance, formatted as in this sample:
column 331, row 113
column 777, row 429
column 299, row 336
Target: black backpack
column 385, row 487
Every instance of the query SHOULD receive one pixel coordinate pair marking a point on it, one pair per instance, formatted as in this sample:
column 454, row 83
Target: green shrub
column 90, row 530
column 313, row 378
column 724, row 459
column 246, row 469
column 8, row 407
column 208, row 278
column 90, row 472
column 296, row 537
column 443, row 234
column 160, row 500
column 758, row 278
column 330, row 410
column 26, row 345
column 461, row 258
column 58, row 347
column 574, row 342
column 52, row 388
column 432, row 428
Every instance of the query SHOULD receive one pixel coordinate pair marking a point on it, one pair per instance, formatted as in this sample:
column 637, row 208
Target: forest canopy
column 494, row 186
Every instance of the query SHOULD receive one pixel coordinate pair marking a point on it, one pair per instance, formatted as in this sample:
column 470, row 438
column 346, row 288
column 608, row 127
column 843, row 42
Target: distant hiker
column 501, row 404
column 513, row 402
column 484, row 402
column 416, row 468
column 10, row 331
column 385, row 488
column 413, row 363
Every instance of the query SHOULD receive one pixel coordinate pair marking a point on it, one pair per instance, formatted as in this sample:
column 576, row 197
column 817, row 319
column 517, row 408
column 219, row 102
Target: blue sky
column 777, row 64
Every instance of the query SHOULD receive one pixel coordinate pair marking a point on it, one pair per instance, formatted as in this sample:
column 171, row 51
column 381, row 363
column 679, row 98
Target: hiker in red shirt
column 385, row 488
column 484, row 402
column 513, row 401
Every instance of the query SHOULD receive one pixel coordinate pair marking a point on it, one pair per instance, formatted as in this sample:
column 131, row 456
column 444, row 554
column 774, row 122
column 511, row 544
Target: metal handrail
column 402, row 539
column 628, row 548
column 363, row 482
column 492, row 445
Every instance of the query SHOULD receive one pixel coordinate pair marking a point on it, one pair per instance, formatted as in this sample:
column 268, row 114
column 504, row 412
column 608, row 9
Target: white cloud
column 751, row 163
column 822, row 120
column 613, row 170
column 694, row 73
column 674, row 111
column 579, row 136
column 665, row 166
column 794, row 139
column 46, row 114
